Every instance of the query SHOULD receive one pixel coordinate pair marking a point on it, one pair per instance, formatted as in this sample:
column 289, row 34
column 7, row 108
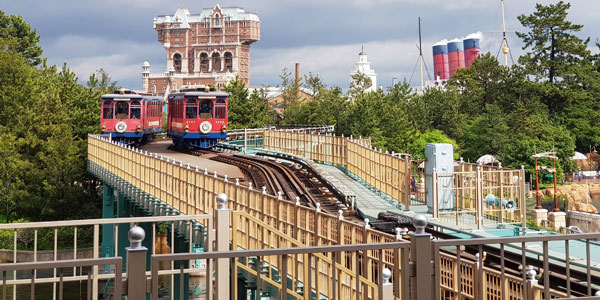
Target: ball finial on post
column 386, row 274
column 222, row 201
column 530, row 273
column 136, row 235
column 419, row 222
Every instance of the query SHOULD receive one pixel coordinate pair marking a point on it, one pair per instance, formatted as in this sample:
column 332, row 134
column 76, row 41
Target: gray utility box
column 440, row 158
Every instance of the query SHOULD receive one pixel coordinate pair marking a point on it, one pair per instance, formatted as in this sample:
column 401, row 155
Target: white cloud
column 333, row 62
column 122, row 59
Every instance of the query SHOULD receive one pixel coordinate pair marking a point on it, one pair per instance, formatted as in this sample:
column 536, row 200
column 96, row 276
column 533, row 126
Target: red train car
column 130, row 117
column 197, row 117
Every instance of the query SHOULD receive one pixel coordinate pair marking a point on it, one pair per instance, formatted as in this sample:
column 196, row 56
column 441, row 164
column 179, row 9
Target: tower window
column 228, row 61
column 177, row 62
column 217, row 20
column 203, row 62
column 216, row 62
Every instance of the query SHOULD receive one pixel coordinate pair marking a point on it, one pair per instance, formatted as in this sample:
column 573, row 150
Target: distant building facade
column 207, row 48
column 364, row 66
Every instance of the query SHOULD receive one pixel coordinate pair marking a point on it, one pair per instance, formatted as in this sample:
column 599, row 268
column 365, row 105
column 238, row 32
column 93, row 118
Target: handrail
column 88, row 222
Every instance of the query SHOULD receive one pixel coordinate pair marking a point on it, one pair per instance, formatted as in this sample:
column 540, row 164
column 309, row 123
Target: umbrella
column 487, row 159
column 578, row 156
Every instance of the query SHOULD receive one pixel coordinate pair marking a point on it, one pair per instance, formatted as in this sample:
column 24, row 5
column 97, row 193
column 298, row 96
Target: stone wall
column 588, row 222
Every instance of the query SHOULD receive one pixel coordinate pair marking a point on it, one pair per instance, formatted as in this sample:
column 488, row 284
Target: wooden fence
column 387, row 172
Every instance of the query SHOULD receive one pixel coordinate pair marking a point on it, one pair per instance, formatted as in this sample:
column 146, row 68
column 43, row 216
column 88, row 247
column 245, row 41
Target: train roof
column 200, row 94
column 127, row 97
column 124, row 94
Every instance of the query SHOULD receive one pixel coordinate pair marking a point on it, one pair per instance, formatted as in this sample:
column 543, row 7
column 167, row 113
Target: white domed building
column 364, row 66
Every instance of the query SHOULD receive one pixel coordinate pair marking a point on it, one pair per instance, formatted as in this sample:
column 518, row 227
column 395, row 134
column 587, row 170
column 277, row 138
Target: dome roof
column 362, row 51
column 146, row 64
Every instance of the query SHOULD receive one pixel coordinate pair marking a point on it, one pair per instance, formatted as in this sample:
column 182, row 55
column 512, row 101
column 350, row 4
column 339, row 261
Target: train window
column 108, row 110
column 191, row 109
column 136, row 110
column 206, row 109
column 122, row 110
column 220, row 109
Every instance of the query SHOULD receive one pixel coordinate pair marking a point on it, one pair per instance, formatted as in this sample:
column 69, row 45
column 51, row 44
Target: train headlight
column 139, row 128
column 121, row 127
column 187, row 128
column 205, row 127
column 224, row 129
column 103, row 127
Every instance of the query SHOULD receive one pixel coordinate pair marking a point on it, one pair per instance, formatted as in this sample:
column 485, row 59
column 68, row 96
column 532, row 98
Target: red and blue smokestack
column 440, row 62
column 456, row 56
column 472, row 50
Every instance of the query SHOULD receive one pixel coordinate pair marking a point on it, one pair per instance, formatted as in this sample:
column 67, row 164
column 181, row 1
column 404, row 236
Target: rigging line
column 427, row 69
column 500, row 48
column 510, row 53
column 414, row 69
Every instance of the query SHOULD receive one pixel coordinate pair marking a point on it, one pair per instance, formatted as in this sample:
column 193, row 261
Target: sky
column 324, row 36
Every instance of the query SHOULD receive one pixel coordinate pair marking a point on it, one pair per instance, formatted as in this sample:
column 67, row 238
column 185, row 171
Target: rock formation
column 577, row 195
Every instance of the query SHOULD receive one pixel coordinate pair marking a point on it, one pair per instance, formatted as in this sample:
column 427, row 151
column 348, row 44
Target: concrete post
column 420, row 256
column 386, row 290
column 136, row 264
column 222, row 265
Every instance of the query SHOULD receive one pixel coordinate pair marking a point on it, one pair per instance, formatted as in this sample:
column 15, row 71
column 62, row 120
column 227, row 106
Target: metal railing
column 238, row 134
column 486, row 280
column 419, row 269
column 73, row 257
column 337, row 287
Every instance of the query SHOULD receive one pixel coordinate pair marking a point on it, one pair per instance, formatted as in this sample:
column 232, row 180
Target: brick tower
column 207, row 48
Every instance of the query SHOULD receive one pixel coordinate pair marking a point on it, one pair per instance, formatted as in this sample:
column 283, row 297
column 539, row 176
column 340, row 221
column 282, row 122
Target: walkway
column 368, row 202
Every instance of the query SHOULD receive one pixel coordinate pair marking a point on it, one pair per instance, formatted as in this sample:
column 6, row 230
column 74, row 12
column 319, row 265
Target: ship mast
column 504, row 41
column 420, row 54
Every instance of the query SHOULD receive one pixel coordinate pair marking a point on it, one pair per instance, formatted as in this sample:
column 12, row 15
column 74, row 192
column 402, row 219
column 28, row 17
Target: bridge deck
column 161, row 148
column 368, row 202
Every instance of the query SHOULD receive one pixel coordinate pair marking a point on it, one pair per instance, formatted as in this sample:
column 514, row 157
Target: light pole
column 537, row 183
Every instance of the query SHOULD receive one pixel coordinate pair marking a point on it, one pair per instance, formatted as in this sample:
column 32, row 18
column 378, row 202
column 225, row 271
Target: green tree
column 290, row 89
column 417, row 147
column 101, row 81
column 481, row 84
column 247, row 110
column 16, row 36
column 359, row 83
column 314, row 83
column 554, row 49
